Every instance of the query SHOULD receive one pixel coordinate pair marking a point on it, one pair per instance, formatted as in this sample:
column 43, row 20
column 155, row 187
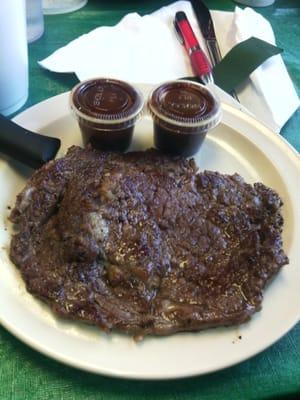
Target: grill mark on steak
column 143, row 243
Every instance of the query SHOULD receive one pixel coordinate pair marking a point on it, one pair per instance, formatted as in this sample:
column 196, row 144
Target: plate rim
column 294, row 157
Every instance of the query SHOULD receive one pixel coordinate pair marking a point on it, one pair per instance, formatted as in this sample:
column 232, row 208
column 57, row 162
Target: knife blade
column 207, row 28
column 206, row 25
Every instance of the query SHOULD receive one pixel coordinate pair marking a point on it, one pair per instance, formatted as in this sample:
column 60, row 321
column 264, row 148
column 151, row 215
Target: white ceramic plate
column 239, row 144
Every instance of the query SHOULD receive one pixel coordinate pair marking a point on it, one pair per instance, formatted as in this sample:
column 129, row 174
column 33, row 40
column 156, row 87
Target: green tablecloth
column 25, row 374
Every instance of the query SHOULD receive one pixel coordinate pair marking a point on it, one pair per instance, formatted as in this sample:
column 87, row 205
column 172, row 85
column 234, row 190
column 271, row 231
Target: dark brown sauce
column 101, row 139
column 105, row 99
column 176, row 143
column 183, row 102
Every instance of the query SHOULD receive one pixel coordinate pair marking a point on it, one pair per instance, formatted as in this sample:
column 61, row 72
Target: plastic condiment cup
column 183, row 112
column 106, row 110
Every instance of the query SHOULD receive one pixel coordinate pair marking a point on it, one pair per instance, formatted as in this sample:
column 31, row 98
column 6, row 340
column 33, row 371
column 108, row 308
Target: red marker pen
column 186, row 36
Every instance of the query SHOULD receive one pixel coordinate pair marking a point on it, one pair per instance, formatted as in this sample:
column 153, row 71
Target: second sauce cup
column 183, row 112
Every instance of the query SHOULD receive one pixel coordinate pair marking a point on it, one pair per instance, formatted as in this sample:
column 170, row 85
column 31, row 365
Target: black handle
column 28, row 147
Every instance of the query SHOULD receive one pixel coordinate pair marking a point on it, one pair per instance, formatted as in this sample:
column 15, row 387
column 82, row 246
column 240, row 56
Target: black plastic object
column 23, row 145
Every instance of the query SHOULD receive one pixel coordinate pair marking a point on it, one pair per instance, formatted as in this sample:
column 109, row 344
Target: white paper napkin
column 146, row 50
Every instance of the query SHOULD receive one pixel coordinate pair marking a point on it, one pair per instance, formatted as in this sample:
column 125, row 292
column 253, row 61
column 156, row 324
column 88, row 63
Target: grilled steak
column 143, row 243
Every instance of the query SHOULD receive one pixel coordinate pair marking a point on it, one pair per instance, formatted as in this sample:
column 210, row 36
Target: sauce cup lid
column 185, row 104
column 106, row 101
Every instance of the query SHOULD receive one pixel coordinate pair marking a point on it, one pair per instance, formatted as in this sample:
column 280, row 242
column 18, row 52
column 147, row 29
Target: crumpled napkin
column 145, row 50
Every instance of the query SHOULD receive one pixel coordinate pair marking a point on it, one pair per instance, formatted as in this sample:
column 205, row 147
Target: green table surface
column 275, row 373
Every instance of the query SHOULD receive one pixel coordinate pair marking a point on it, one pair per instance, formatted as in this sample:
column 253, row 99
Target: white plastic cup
column 62, row 6
column 256, row 3
column 35, row 20
column 13, row 56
